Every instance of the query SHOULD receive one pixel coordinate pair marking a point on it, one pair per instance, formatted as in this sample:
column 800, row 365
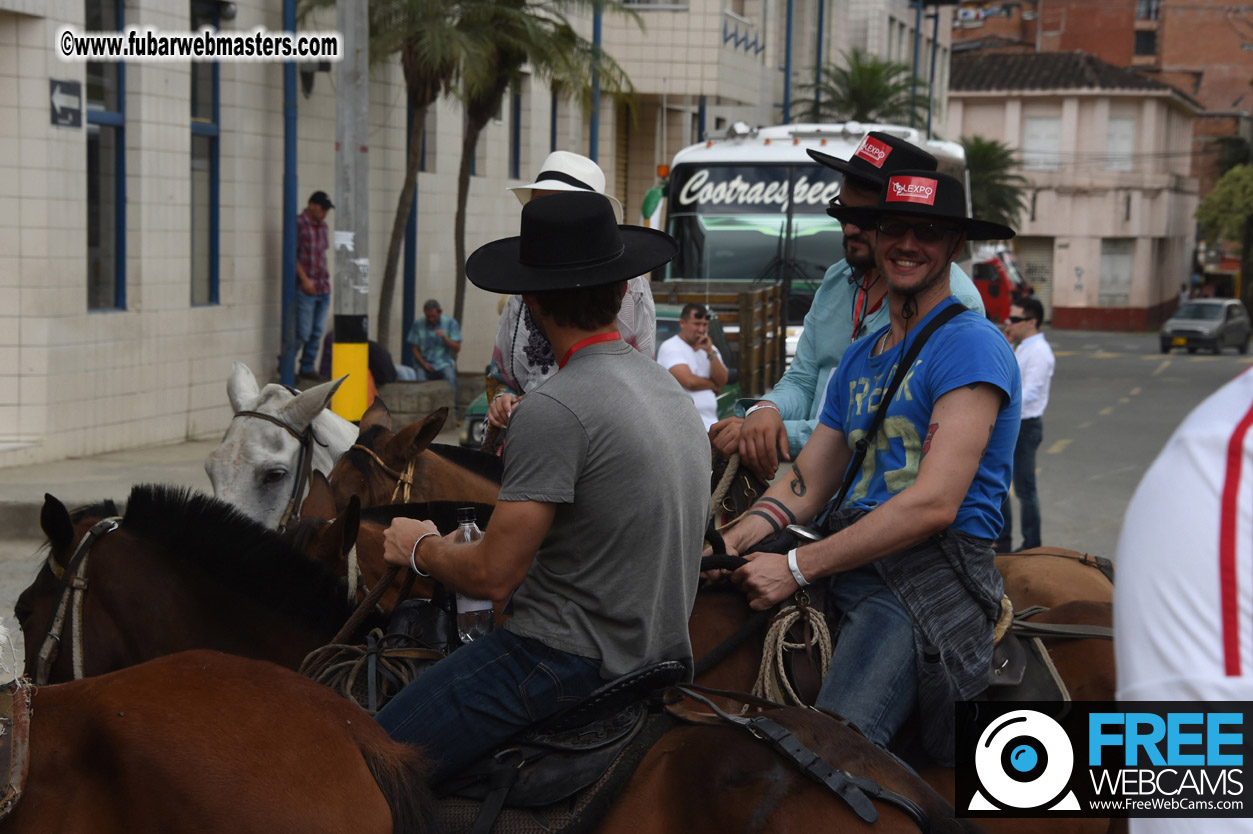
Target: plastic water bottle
column 474, row 616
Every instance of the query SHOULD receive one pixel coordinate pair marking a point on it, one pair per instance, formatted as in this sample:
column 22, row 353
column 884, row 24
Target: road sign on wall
column 66, row 98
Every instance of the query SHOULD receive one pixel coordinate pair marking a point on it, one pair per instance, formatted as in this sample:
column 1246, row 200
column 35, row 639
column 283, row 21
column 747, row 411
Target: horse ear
column 349, row 522
column 307, row 405
column 56, row 524
column 416, row 437
column 241, row 387
column 376, row 415
column 320, row 502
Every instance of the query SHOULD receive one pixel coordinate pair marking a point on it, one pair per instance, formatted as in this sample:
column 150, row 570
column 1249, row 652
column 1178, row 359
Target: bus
column 751, row 206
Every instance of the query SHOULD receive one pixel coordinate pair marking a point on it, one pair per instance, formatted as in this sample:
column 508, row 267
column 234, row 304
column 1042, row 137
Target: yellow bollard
column 351, row 358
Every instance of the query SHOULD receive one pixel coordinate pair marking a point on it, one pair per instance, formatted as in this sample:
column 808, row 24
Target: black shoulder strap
column 864, row 444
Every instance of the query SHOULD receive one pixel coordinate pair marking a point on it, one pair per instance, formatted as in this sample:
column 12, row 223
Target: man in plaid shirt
column 313, row 282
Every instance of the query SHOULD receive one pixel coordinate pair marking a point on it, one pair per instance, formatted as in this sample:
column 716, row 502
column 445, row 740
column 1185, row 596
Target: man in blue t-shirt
column 912, row 541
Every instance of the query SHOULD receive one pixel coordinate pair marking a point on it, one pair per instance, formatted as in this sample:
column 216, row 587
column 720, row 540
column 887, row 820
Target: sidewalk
column 82, row 481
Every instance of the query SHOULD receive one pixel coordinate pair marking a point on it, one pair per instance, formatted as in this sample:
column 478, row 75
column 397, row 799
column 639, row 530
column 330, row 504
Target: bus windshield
column 737, row 222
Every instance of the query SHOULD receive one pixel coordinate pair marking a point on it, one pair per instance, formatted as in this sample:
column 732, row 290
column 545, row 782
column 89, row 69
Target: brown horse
column 181, row 571
column 206, row 742
column 386, row 467
column 364, row 556
column 203, row 742
column 1086, row 665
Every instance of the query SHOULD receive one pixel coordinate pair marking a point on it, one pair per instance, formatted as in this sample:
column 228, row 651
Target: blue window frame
column 106, row 168
column 515, row 135
column 205, row 180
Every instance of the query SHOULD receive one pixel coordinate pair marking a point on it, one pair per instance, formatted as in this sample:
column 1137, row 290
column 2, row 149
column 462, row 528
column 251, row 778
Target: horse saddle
column 15, row 710
column 563, row 774
column 1022, row 669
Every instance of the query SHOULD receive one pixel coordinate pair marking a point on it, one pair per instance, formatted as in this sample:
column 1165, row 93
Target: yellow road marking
column 1085, row 424
column 1165, row 364
column 1134, row 391
column 1106, row 355
column 1124, row 399
column 1105, row 412
column 1057, row 447
column 1065, row 352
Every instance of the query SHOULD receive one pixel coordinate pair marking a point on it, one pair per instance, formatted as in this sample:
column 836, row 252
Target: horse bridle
column 73, row 578
column 404, row 480
column 303, row 474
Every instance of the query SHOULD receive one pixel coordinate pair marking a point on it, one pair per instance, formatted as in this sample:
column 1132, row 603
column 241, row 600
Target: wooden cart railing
column 752, row 318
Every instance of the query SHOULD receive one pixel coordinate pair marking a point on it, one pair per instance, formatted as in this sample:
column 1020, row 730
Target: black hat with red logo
column 926, row 194
column 878, row 156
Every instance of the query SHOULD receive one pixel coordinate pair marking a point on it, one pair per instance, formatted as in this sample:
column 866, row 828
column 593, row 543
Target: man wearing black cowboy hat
column 602, row 507
column 847, row 305
column 912, row 542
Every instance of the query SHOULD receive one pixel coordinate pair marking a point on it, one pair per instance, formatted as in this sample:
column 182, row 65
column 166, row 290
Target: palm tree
column 996, row 194
column 433, row 39
column 520, row 32
column 865, row 89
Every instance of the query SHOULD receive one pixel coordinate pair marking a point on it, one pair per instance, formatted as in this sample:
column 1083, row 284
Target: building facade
column 1108, row 234
column 141, row 210
column 1201, row 47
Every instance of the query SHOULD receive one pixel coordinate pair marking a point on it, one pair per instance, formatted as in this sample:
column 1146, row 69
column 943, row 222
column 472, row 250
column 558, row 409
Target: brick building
column 1201, row 47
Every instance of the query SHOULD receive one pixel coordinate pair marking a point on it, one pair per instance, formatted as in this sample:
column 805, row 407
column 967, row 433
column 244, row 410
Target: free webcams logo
column 912, row 190
column 873, row 151
column 1102, row 759
column 1024, row 762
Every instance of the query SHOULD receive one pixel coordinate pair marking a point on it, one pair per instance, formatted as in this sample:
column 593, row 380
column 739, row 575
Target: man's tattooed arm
column 798, row 483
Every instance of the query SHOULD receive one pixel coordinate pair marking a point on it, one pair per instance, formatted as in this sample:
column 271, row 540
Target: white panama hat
column 567, row 171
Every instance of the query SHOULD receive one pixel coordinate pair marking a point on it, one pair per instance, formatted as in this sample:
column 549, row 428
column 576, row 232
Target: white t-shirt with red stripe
column 1183, row 598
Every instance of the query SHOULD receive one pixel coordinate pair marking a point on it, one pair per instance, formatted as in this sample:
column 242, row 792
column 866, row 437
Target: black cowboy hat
column 568, row 241
column 926, row 194
column 879, row 155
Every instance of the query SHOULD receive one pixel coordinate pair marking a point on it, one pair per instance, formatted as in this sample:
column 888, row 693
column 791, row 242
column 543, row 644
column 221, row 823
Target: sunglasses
column 923, row 232
column 1016, row 319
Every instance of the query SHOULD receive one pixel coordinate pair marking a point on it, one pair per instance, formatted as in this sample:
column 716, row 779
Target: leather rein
column 69, row 611
column 305, row 471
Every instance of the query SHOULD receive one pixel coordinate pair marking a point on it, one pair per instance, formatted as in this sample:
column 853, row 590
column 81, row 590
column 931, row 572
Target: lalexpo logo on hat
column 912, row 190
column 873, row 151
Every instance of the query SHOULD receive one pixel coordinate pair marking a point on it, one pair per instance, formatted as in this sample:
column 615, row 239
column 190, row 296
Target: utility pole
column 352, row 206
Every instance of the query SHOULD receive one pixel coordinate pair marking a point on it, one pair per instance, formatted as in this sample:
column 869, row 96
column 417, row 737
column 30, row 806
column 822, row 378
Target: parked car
column 1210, row 323
column 474, row 421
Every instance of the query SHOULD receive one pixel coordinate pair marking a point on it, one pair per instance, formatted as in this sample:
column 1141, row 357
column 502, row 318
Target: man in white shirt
column 1183, row 614
column 694, row 361
column 1035, row 364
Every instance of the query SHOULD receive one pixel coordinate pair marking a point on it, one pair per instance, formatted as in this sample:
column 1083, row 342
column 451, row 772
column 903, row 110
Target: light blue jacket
column 828, row 332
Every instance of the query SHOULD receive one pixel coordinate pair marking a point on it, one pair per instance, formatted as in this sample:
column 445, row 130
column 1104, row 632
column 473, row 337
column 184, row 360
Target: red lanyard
column 582, row 343
column 859, row 311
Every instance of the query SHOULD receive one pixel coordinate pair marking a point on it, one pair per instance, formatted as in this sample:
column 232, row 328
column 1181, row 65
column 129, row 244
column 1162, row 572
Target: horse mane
column 480, row 463
column 235, row 552
column 443, row 513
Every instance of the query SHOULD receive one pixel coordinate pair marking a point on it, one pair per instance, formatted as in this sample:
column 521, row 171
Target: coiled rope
column 772, row 681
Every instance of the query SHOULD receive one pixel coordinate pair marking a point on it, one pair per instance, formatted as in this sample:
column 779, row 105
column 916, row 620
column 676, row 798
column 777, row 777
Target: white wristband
column 413, row 563
column 761, row 405
column 795, row 569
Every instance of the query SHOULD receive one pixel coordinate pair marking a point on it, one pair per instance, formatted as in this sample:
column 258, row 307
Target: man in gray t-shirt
column 597, row 532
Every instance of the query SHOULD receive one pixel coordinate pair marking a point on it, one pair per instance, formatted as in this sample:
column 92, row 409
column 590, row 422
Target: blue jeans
column 1029, row 437
column 872, row 680
column 310, row 321
column 449, row 373
column 482, row 695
